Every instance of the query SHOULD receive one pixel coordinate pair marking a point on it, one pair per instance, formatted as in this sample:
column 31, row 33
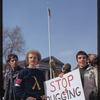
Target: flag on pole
column 49, row 13
column 49, row 16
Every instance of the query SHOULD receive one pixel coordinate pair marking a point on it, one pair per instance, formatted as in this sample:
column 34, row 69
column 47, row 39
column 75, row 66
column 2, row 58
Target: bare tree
column 13, row 42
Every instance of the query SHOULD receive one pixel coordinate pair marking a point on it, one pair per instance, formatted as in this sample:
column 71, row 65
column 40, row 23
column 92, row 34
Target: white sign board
column 69, row 87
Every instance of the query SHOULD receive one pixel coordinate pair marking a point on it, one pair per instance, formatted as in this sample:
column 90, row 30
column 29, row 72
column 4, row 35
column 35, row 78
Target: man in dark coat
column 11, row 76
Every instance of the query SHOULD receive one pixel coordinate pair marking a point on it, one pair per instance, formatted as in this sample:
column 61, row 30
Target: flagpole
column 49, row 40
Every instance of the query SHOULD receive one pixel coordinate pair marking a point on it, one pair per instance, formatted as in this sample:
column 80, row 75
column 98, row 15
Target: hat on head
column 67, row 67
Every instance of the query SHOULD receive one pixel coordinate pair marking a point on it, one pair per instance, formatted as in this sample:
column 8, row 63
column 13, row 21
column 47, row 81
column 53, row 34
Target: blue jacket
column 30, row 83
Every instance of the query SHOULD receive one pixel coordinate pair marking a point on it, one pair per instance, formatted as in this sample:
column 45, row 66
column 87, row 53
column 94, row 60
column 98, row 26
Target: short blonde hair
column 33, row 52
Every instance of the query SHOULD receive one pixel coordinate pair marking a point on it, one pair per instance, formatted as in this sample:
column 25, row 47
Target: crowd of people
column 27, row 83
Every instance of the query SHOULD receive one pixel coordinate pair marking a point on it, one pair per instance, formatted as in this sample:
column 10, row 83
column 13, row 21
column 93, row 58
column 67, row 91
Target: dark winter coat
column 11, row 77
column 30, row 84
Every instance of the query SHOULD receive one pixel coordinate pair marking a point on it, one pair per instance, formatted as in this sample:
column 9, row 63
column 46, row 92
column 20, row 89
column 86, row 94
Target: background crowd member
column 66, row 69
column 88, row 75
column 93, row 60
column 56, row 73
column 11, row 77
column 54, row 70
column 29, row 85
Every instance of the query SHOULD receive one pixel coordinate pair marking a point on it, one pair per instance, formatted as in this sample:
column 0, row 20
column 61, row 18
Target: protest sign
column 69, row 87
